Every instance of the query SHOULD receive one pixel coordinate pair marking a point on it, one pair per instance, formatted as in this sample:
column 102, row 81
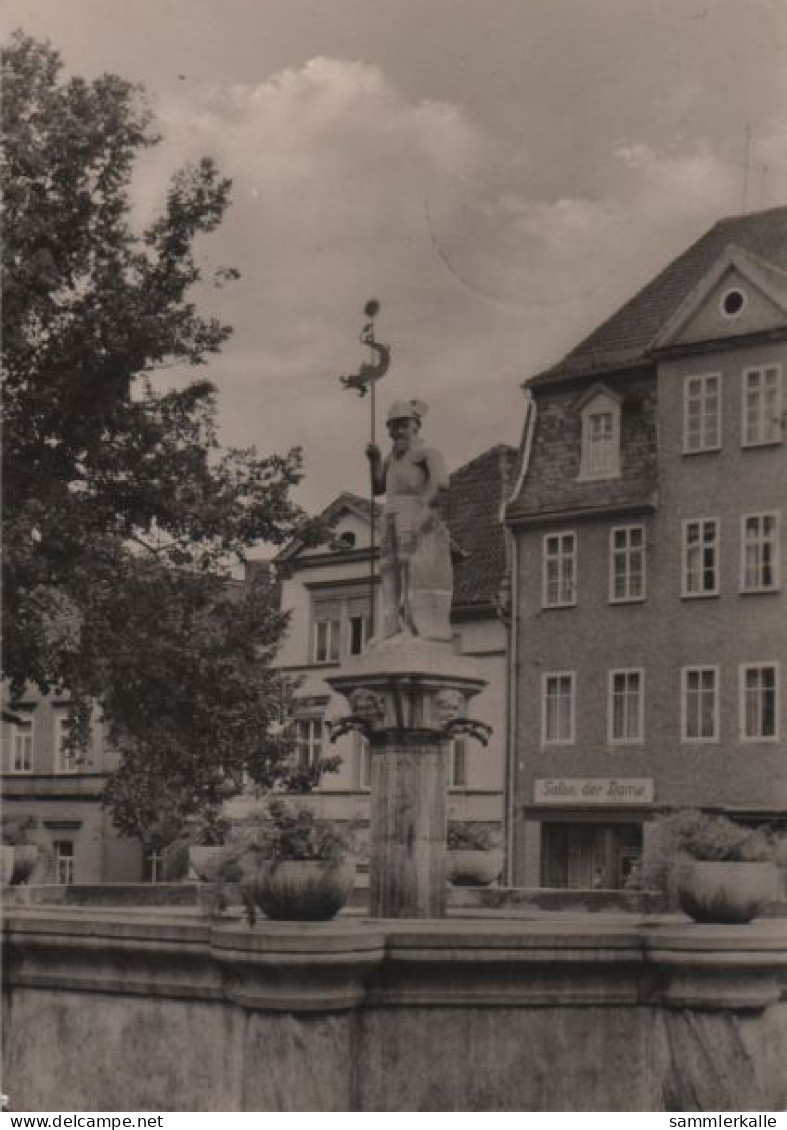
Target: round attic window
column 345, row 540
column 732, row 302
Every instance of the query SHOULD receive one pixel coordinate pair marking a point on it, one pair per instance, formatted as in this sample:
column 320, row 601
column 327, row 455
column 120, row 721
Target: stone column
column 408, row 698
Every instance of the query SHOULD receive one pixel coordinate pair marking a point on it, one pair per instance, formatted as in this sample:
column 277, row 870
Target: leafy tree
column 122, row 515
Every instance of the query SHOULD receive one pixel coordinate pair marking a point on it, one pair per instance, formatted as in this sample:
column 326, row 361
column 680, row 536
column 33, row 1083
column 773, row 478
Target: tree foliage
column 122, row 515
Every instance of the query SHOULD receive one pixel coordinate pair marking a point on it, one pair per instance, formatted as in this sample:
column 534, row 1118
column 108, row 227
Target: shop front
column 584, row 833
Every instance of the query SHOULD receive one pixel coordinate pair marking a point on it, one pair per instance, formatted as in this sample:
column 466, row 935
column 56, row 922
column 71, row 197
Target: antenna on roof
column 746, row 155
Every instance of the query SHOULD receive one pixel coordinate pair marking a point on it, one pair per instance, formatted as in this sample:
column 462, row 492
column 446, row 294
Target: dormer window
column 600, row 413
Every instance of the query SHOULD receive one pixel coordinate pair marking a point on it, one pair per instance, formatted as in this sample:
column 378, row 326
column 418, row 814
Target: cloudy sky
column 500, row 174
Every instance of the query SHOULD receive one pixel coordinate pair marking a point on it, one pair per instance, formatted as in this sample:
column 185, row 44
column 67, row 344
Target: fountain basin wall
column 142, row 1011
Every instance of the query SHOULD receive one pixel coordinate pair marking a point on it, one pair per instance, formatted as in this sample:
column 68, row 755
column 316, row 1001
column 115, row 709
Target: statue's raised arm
column 415, row 572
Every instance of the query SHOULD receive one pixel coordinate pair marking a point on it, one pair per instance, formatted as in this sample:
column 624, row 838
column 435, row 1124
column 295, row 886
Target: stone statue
column 415, row 571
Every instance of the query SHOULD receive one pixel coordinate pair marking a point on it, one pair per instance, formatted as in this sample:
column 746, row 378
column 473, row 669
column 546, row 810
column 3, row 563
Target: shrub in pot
column 475, row 856
column 19, row 836
column 197, row 851
column 713, row 868
column 290, row 863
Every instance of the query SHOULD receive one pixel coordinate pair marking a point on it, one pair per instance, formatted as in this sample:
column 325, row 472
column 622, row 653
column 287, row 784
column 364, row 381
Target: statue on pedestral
column 415, row 571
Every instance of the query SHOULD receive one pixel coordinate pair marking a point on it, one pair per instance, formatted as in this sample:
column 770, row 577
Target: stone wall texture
column 147, row 1012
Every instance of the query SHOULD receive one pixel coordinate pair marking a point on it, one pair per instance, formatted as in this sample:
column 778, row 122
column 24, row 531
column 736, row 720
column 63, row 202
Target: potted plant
column 290, row 863
column 475, row 857
column 202, row 839
column 18, row 836
column 715, row 869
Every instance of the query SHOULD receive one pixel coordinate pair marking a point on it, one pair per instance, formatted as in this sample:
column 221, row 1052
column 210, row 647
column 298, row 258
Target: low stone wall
column 106, row 1011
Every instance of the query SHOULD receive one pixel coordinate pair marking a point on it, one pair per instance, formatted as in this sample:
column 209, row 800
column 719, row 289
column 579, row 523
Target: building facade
column 650, row 633
column 327, row 591
column 58, row 794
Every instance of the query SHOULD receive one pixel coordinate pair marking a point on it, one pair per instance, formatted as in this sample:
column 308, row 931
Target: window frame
column 309, row 744
column 602, row 404
column 703, row 445
column 560, row 557
column 749, row 371
column 61, row 758
column 640, row 736
column 66, row 858
column 685, row 592
column 457, row 754
column 29, row 733
column 699, row 668
column 759, row 665
column 339, row 626
column 775, row 545
column 546, row 741
column 627, row 552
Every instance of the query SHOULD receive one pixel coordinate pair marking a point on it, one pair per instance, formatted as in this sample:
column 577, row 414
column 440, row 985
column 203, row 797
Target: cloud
column 344, row 189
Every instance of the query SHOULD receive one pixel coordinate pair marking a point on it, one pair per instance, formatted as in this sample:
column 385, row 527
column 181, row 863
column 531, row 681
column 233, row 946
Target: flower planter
column 25, row 859
column 726, row 891
column 468, row 868
column 6, row 864
column 204, row 861
column 302, row 890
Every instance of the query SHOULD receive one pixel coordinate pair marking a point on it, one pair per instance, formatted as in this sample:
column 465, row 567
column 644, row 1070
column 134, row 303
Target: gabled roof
column 343, row 503
column 764, row 277
column 476, row 493
column 623, row 339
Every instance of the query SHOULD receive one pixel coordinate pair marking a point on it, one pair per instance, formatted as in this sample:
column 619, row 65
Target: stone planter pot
column 302, row 890
column 6, row 864
column 25, row 859
column 474, row 868
column 726, row 891
column 204, row 860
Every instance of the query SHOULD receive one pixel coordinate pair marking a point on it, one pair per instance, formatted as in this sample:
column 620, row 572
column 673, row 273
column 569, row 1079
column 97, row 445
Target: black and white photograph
column 394, row 499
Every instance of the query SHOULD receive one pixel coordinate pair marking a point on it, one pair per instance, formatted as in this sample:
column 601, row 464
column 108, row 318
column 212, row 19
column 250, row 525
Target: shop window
column 586, row 856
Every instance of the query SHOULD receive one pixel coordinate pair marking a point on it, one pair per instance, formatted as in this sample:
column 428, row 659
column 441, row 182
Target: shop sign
column 594, row 790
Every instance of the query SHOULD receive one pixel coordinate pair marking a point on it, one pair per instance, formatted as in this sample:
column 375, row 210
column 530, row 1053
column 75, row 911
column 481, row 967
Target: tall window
column 762, row 405
column 457, row 764
column 759, row 552
column 364, row 756
column 759, row 702
column 701, row 557
column 21, row 744
column 64, row 862
column 557, row 708
column 559, row 570
column 627, row 563
column 701, row 413
column 700, row 704
column 341, row 625
column 66, row 760
column 626, row 706
column 600, row 457
column 327, row 630
column 309, row 741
